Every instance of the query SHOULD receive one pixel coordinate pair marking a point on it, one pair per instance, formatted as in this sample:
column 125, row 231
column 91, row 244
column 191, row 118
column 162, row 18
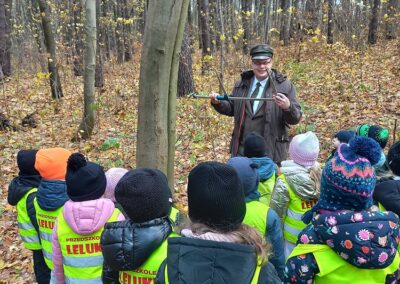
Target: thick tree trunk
column 185, row 73
column 390, row 22
column 165, row 23
column 329, row 33
column 373, row 24
column 267, row 13
column 89, row 115
column 50, row 43
column 205, row 33
column 285, row 24
column 5, row 38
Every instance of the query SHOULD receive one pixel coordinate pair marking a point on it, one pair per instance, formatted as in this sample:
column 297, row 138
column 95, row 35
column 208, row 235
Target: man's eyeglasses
column 262, row 61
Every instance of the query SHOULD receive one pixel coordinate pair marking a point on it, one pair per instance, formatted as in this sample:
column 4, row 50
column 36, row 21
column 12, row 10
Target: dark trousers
column 42, row 272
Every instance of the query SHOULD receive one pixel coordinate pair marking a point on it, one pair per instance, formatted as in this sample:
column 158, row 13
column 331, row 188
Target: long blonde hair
column 244, row 234
column 315, row 175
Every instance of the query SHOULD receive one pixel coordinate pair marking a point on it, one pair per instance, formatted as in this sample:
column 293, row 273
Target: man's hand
column 213, row 97
column 282, row 101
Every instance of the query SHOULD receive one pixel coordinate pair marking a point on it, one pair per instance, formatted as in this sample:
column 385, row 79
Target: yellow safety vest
column 333, row 269
column 381, row 208
column 147, row 272
column 265, row 188
column 82, row 256
column 29, row 235
column 174, row 216
column 256, row 216
column 296, row 208
column 46, row 221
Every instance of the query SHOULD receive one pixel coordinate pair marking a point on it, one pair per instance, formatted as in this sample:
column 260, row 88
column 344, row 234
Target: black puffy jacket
column 127, row 245
column 387, row 193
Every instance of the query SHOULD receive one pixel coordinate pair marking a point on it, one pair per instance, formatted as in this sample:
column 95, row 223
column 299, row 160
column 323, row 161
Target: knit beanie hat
column 144, row 194
column 304, row 149
column 215, row 196
column 344, row 136
column 247, row 172
column 379, row 134
column 85, row 180
column 113, row 176
column 393, row 158
column 348, row 179
column 52, row 163
column 363, row 129
column 255, row 146
column 26, row 162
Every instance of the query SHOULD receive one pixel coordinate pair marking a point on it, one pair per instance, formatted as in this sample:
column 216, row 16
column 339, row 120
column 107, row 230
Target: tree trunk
column 267, row 13
column 119, row 32
column 373, row 24
column 55, row 83
column 285, row 24
column 311, row 15
column 165, row 23
column 390, row 22
column 77, row 49
column 205, row 34
column 99, row 77
column 5, row 38
column 329, row 33
column 89, row 113
column 246, row 9
column 185, row 73
column 222, row 47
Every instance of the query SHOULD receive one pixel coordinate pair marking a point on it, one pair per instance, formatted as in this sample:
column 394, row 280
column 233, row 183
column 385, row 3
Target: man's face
column 260, row 67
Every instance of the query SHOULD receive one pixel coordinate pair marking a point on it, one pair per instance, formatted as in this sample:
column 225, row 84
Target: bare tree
column 390, row 24
column 205, row 32
column 329, row 32
column 185, row 73
column 373, row 24
column 246, row 10
column 285, row 24
column 5, row 38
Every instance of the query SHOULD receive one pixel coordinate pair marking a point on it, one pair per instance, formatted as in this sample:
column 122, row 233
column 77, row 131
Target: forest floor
column 338, row 88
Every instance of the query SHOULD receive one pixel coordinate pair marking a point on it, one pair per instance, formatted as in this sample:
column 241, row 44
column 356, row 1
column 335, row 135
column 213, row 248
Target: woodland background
column 343, row 57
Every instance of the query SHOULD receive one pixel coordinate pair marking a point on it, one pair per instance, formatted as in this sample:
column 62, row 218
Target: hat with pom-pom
column 348, row 179
column 85, row 180
column 113, row 176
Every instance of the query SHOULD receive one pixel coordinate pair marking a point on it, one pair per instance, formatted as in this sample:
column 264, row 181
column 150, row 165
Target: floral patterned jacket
column 364, row 239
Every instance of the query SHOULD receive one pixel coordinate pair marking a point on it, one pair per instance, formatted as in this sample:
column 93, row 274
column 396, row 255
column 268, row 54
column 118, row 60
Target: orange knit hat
column 52, row 163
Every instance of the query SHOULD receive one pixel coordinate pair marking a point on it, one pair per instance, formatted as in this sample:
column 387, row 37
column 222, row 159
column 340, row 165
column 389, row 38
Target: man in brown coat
column 271, row 119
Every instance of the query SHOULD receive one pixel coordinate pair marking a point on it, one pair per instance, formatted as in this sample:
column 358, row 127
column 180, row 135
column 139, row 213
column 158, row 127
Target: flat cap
column 261, row 51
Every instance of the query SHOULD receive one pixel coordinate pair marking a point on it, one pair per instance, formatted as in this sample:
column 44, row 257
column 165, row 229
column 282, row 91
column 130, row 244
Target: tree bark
column 55, row 83
column 89, row 114
column 373, row 24
column 205, row 33
column 329, row 33
column 99, row 77
column 185, row 73
column 285, row 24
column 246, row 9
column 5, row 38
column 390, row 22
column 165, row 23
column 77, row 49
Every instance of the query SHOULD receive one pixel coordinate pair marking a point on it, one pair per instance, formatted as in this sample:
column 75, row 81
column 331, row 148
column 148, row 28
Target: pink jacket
column 84, row 218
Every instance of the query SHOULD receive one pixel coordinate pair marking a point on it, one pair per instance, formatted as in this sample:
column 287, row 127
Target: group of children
column 249, row 221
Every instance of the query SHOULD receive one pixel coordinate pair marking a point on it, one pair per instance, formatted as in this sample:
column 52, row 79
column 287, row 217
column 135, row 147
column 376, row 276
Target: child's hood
column 87, row 217
column 364, row 239
column 266, row 167
column 299, row 179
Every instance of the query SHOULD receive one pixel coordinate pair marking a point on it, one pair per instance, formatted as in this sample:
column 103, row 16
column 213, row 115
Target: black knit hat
column 215, row 196
column 393, row 158
column 344, row 136
column 255, row 146
column 85, row 180
column 379, row 134
column 144, row 194
column 26, row 163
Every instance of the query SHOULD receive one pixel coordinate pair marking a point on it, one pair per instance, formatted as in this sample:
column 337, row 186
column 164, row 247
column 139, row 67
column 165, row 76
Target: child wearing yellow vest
column 133, row 250
column 297, row 188
column 21, row 193
column 215, row 246
column 76, row 247
column 345, row 241
column 51, row 164
column 255, row 149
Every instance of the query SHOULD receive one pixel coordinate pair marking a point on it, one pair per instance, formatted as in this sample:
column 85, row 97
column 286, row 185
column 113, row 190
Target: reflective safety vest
column 82, row 256
column 27, row 230
column 254, row 280
column 174, row 216
column 147, row 272
column 296, row 208
column 256, row 216
column 381, row 208
column 46, row 221
column 265, row 188
column 333, row 269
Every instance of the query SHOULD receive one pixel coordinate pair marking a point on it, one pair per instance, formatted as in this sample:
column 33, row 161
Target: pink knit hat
column 113, row 176
column 304, row 149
